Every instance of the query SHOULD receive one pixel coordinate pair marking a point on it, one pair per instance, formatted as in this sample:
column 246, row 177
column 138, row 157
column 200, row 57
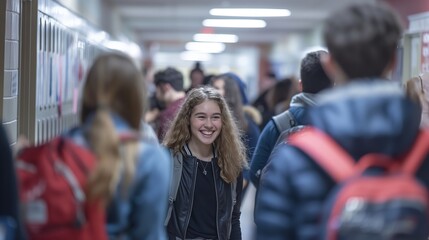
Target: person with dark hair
column 313, row 80
column 205, row 140
column 207, row 79
column 364, row 114
column 275, row 99
column 196, row 76
column 170, row 92
column 313, row 77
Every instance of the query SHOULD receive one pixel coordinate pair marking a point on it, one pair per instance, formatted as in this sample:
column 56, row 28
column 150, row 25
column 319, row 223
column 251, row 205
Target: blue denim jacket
column 140, row 213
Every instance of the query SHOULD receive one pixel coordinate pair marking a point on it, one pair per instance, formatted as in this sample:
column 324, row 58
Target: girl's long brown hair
column 229, row 147
column 114, row 86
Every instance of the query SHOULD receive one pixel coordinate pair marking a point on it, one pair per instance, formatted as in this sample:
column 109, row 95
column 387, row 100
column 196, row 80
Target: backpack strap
column 419, row 151
column 129, row 136
column 175, row 181
column 325, row 152
column 284, row 120
column 283, row 137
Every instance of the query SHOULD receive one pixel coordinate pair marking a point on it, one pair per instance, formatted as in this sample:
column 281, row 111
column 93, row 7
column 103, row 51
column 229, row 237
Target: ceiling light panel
column 206, row 47
column 235, row 23
column 223, row 38
column 250, row 12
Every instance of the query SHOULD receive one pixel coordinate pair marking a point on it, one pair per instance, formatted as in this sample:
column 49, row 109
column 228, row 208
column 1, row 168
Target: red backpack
column 52, row 177
column 385, row 203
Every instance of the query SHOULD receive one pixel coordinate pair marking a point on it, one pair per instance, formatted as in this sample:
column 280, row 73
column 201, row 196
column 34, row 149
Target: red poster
column 425, row 53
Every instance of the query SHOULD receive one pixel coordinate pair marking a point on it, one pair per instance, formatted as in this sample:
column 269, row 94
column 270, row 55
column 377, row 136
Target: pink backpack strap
column 129, row 136
column 414, row 158
column 325, row 152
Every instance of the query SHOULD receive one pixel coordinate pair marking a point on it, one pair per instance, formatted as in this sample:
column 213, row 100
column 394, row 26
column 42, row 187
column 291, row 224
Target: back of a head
column 313, row 77
column 283, row 90
column 170, row 76
column 115, row 83
column 362, row 38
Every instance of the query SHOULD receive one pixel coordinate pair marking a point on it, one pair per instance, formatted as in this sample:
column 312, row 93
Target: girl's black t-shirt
column 203, row 217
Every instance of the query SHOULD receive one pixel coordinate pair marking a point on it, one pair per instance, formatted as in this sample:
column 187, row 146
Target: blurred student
column 206, row 139
column 196, row 75
column 131, row 177
column 313, row 80
column 275, row 99
column 10, row 227
column 415, row 88
column 228, row 86
column 170, row 93
column 364, row 113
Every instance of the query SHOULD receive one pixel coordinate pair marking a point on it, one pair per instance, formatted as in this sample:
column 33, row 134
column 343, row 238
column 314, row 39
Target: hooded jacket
column 365, row 116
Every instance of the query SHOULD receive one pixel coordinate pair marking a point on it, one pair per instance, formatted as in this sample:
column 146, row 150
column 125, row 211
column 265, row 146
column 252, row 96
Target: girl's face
column 206, row 122
column 219, row 85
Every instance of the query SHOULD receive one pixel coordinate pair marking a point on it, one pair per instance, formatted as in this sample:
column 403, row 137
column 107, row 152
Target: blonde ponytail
column 104, row 142
column 113, row 86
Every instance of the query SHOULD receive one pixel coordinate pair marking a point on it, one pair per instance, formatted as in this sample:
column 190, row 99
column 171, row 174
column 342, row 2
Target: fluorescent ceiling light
column 195, row 56
column 206, row 47
column 235, row 23
column 225, row 38
column 250, row 12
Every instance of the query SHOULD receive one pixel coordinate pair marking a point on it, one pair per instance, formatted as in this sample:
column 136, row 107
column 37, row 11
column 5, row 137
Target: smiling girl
column 206, row 136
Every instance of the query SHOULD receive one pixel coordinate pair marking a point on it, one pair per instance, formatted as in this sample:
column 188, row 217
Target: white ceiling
column 172, row 23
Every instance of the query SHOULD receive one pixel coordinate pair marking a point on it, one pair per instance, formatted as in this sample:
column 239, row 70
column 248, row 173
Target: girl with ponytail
column 132, row 176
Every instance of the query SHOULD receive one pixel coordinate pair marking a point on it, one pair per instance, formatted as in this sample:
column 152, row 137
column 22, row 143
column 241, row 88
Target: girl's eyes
column 204, row 117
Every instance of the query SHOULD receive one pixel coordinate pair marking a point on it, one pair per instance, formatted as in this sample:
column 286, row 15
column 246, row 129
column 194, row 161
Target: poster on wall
column 424, row 67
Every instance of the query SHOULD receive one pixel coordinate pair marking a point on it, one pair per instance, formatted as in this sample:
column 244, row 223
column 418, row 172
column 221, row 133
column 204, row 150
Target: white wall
column 287, row 53
column 90, row 10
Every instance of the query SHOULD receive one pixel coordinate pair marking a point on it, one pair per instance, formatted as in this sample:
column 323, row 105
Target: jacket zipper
column 217, row 201
column 192, row 201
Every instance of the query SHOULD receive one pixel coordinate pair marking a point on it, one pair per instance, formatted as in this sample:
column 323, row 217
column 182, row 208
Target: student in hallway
column 170, row 92
column 132, row 176
column 206, row 142
column 364, row 113
column 313, row 80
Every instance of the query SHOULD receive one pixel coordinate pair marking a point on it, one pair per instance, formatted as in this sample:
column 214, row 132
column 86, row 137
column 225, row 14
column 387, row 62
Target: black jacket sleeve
column 235, row 221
